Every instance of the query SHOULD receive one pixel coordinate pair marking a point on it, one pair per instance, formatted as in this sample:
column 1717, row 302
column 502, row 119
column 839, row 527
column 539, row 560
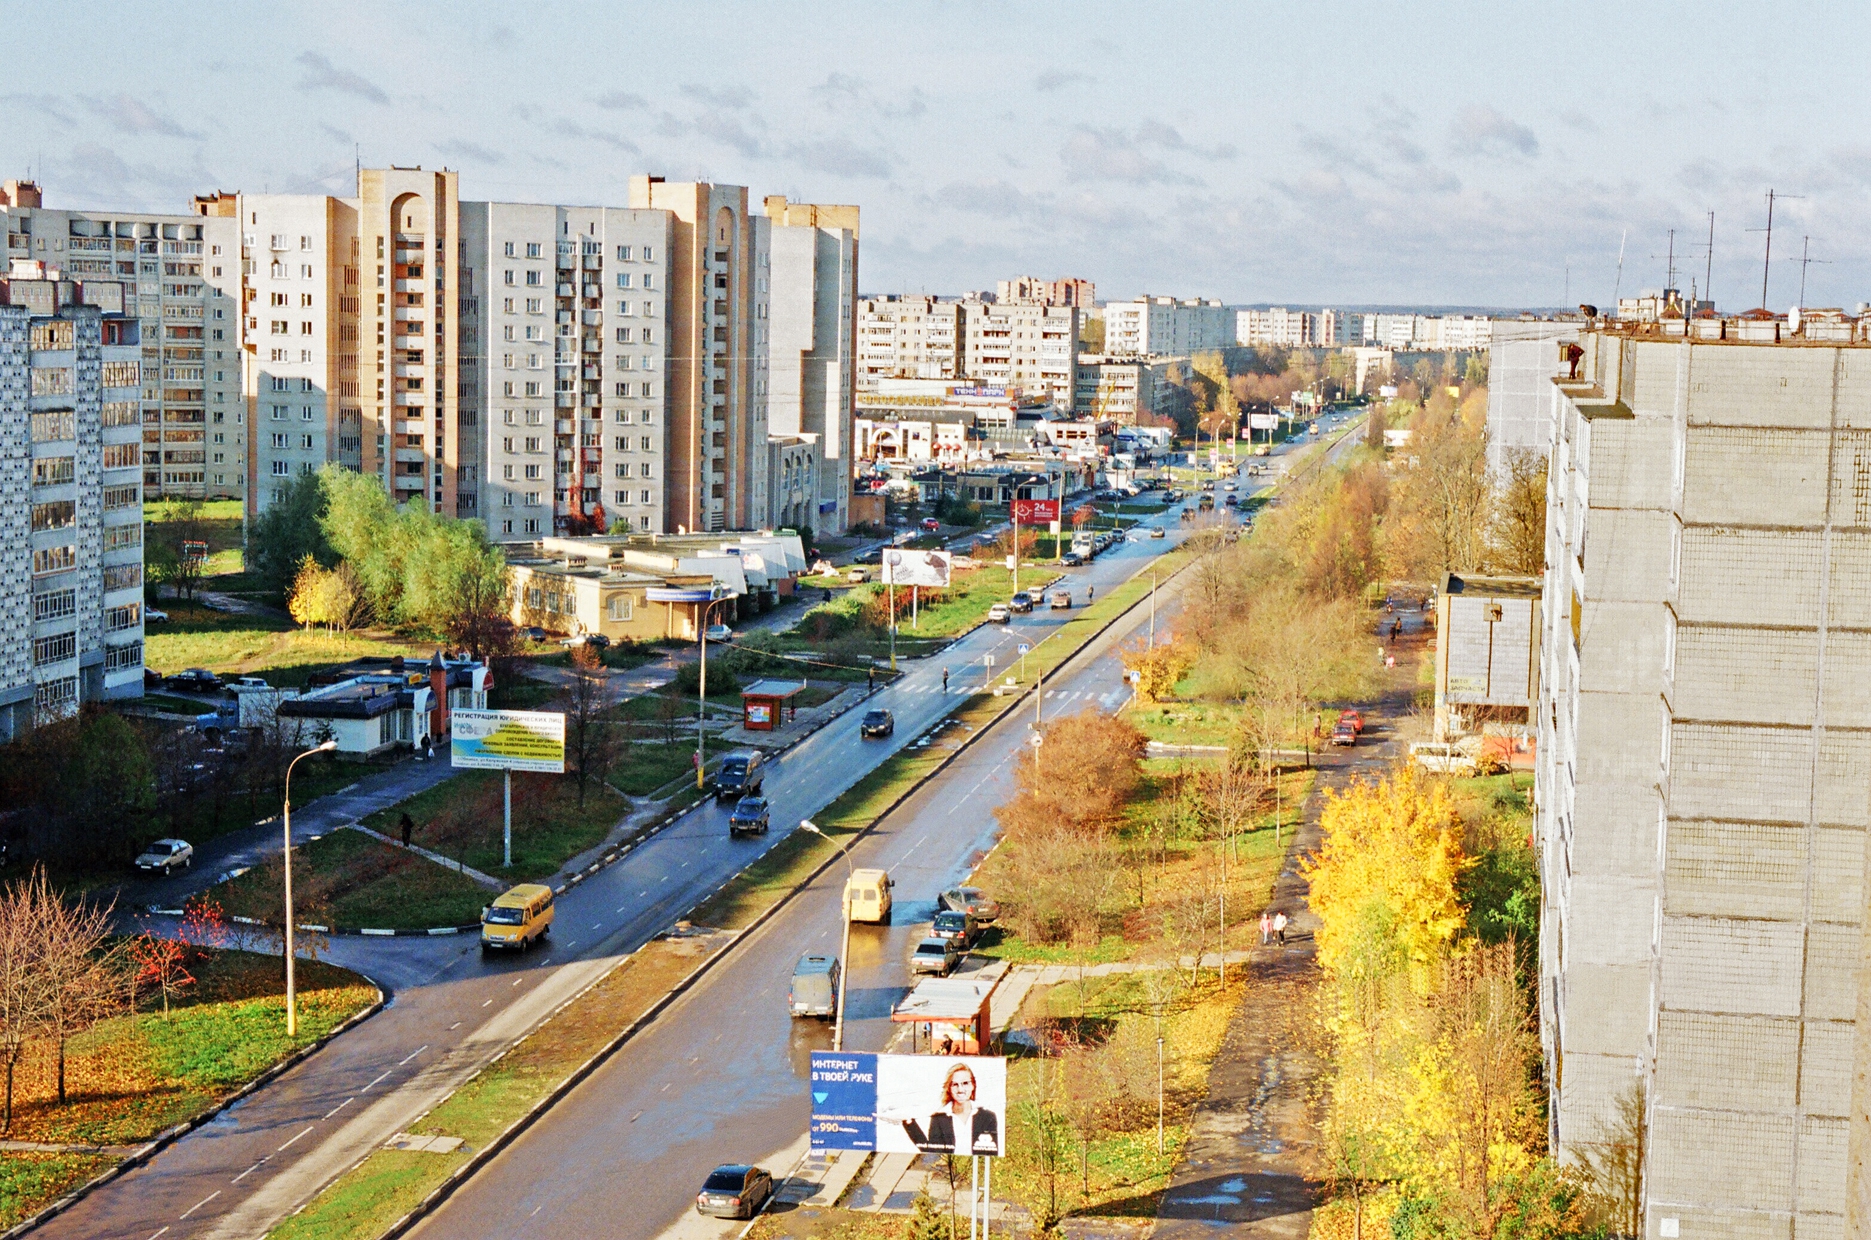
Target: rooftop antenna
column 1708, row 272
column 1768, row 257
column 1806, row 260
column 1619, row 286
column 1669, row 269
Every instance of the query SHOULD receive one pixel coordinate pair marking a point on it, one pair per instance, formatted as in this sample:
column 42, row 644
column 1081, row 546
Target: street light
column 292, row 1010
column 701, row 688
column 844, row 938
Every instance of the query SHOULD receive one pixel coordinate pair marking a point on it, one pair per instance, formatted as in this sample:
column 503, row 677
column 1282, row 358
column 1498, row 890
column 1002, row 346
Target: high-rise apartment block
column 1122, row 389
column 1278, row 326
column 1163, row 326
column 179, row 275
column 909, row 338
column 1033, row 291
column 1034, row 348
column 810, row 274
column 563, row 360
column 1704, row 769
column 71, row 499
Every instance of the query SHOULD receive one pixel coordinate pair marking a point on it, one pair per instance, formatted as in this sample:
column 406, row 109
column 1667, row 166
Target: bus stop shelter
column 764, row 703
column 948, row 1015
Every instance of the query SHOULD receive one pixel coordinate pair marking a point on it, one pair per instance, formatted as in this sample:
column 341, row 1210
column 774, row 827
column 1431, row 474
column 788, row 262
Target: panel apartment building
column 809, row 268
column 180, row 276
column 1165, row 326
column 1030, row 347
column 71, row 501
column 909, row 337
column 1704, row 785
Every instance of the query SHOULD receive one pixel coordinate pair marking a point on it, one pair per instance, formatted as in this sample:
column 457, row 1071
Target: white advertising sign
column 906, row 567
column 507, row 740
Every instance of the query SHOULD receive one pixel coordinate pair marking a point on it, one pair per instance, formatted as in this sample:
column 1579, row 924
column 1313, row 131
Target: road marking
column 347, row 1102
column 486, row 1002
column 249, row 1171
column 663, row 1090
column 536, row 1210
column 198, row 1205
column 518, row 980
column 308, row 1128
column 596, row 925
column 369, row 1087
column 154, row 1235
column 454, row 1026
column 636, row 1117
column 622, row 907
column 413, row 1054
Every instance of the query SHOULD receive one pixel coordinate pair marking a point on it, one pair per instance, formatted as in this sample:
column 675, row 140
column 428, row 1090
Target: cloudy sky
column 1449, row 154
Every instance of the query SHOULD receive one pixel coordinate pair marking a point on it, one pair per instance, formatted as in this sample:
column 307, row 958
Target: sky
column 1353, row 154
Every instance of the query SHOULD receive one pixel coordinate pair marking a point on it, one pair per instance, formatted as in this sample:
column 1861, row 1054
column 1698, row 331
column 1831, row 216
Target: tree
column 175, row 548
column 1091, row 335
column 162, row 964
column 1518, row 533
column 588, row 739
column 1158, row 668
column 81, row 970
column 1441, row 505
column 23, row 995
column 1087, row 769
column 327, row 596
column 287, row 530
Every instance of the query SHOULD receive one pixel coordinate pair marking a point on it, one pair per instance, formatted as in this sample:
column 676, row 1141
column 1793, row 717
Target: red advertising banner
column 1028, row 511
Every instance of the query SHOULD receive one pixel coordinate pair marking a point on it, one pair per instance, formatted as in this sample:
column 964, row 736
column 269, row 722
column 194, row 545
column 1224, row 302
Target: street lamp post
column 844, row 938
column 701, row 690
column 292, row 1011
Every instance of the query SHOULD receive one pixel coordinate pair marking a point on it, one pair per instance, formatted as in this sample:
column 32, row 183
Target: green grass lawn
column 462, row 817
column 355, row 881
column 273, row 647
column 646, row 765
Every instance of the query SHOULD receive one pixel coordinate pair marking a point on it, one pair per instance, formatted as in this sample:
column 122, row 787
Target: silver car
column 937, row 956
column 165, row 857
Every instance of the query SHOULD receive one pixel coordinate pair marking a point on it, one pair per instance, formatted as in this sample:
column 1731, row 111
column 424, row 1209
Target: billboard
column 906, row 566
column 909, row 1104
column 1031, row 510
column 507, row 740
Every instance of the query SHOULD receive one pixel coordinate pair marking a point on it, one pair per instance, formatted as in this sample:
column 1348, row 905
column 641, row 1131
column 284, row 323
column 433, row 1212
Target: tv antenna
column 1669, row 268
column 1767, row 258
column 1708, row 271
column 1806, row 260
column 1619, row 286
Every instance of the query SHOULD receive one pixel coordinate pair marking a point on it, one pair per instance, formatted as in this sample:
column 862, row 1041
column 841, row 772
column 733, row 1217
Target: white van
column 1443, row 759
column 867, row 896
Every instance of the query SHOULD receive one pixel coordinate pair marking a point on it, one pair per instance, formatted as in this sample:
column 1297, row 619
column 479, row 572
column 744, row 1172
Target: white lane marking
column 249, row 1171
column 536, row 1210
column 636, row 1117
column 518, row 980
column 199, row 1204
column 413, row 1054
column 663, row 1090
column 596, row 925
column 347, row 1102
column 308, row 1128
column 155, row 1234
column 486, row 1002
column 454, row 1026
column 368, row 1088
column 622, row 907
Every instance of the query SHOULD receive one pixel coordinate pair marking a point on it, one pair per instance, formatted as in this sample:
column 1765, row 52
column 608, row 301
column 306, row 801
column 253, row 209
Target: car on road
column 152, row 616
column 1061, row 600
column 814, row 991
column 1354, row 718
column 857, row 575
column 1071, row 559
column 750, row 816
column 937, row 956
column 741, row 773
column 1344, row 734
column 517, row 918
column 874, row 556
column 1231, row 501
column 597, row 641
column 719, row 633
column 969, row 900
column 1020, row 604
column 960, row 926
column 734, row 1190
column 1159, row 532
column 931, row 524
column 1443, row 759
column 999, row 614
column 877, row 722
column 165, row 857
column 196, row 680
column 867, row 896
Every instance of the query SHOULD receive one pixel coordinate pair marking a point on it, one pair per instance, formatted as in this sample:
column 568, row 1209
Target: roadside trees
column 589, row 743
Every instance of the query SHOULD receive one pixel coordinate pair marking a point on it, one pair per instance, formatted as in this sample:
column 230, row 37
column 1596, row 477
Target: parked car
column 741, row 773
column 931, row 524
column 1443, row 759
column 1061, row 600
column 969, row 900
column 165, row 857
column 1354, row 718
column 533, row 633
column 734, row 1190
column 152, row 679
column 152, row 616
column 597, row 641
column 1159, row 532
column 196, row 680
column 874, row 556
column 718, row 633
column 998, row 614
column 937, row 956
column 877, row 722
column 959, row 926
column 867, row 896
column 750, row 816
column 1344, row 734
column 857, row 574
column 814, row 991
column 1020, row 604
column 1071, row 559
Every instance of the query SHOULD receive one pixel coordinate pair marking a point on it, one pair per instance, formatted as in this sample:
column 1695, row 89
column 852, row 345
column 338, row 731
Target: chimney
column 20, row 194
column 438, row 691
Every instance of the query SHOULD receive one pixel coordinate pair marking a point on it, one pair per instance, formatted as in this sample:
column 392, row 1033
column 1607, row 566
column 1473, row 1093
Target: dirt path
column 1251, row 1142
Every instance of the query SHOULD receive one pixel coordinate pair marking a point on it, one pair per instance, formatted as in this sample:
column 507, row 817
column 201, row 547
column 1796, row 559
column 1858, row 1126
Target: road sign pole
column 506, row 835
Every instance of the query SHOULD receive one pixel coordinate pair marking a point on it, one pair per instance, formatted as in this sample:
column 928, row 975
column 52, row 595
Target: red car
column 1354, row 718
column 1344, row 733
column 931, row 524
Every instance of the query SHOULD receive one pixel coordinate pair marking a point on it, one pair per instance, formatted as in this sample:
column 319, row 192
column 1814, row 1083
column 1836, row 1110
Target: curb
column 487, row 1153
column 170, row 1136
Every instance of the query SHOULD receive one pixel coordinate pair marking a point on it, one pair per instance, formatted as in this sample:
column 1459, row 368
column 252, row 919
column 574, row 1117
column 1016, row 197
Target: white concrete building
column 908, row 338
column 1522, row 361
column 809, row 343
column 1277, row 325
column 1149, row 326
column 1120, row 389
column 1033, row 348
column 71, row 502
column 180, row 274
column 536, row 331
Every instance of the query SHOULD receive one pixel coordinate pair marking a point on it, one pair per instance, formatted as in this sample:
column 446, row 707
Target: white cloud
column 1094, row 154
column 840, row 157
column 1480, row 130
column 133, row 116
column 321, row 74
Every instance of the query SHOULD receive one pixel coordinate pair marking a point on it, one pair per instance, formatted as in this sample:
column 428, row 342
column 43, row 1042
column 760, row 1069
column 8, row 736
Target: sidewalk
column 799, row 726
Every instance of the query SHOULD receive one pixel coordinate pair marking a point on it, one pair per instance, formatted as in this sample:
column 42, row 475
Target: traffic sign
column 1024, row 647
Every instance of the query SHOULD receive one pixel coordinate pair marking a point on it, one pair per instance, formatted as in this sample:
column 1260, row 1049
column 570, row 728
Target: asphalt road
column 720, row 1076
column 452, row 1012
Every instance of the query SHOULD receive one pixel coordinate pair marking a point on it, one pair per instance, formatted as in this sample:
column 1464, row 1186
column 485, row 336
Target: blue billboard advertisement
column 950, row 1104
column 844, row 1101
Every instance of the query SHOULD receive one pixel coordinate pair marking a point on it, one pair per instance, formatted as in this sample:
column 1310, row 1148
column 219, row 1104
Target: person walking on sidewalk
column 945, row 680
column 1266, row 927
column 407, row 827
column 1279, row 928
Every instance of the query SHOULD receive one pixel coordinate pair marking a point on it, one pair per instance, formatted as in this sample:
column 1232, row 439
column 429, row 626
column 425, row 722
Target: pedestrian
column 945, row 680
column 1279, row 928
column 1266, row 927
column 1390, row 660
column 870, row 679
column 408, row 828
column 1396, row 628
column 428, row 748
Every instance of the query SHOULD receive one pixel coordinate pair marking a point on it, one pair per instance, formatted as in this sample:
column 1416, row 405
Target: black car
column 959, row 926
column 877, row 723
column 734, row 1190
column 750, row 815
column 533, row 633
column 1020, row 603
column 741, row 774
column 196, row 680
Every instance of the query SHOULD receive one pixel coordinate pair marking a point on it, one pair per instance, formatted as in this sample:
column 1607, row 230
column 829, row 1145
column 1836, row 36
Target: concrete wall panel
column 1848, row 592
column 1607, row 1008
column 1832, row 972
column 1730, row 386
column 1750, row 967
column 1716, row 1159
column 1609, row 920
column 1732, row 1063
column 1822, row 1168
column 1847, row 679
column 1751, row 476
column 1745, row 675
column 1780, row 572
column 1732, row 869
column 1826, row 1068
column 1838, row 875
column 1717, row 771
column 1622, row 647
column 1843, row 779
column 1630, row 463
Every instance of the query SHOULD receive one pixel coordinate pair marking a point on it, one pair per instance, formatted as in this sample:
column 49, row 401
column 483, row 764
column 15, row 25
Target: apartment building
column 1122, row 389
column 1522, row 360
column 563, row 359
column 908, row 338
column 301, row 311
column 180, row 276
column 71, row 499
column 809, row 348
column 1033, row 291
column 1033, row 348
column 1150, row 326
column 716, row 439
column 1704, row 756
column 1278, row 326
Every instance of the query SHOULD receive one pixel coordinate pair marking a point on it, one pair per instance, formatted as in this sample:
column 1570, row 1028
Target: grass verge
column 462, row 817
column 263, row 645
column 348, row 879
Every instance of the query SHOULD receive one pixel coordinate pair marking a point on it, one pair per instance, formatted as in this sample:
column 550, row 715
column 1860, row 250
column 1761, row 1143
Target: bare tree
column 22, row 984
column 588, row 738
column 80, row 968
column 1519, row 526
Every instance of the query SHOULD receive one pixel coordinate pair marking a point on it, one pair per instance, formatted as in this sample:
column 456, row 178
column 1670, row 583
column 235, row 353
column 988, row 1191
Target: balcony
column 411, row 286
column 411, row 455
column 594, row 372
column 564, row 456
column 410, row 370
column 563, row 427
column 593, row 344
column 565, row 400
column 410, row 313
column 567, row 290
column 594, row 262
column 593, row 318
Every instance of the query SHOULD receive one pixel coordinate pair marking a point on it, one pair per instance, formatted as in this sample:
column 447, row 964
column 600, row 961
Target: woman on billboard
column 957, row 1126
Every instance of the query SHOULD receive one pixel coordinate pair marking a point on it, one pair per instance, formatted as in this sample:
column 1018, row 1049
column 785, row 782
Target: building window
column 623, row 279
column 532, row 278
column 618, row 606
column 532, row 525
column 507, row 275
column 116, row 619
column 61, row 514
column 532, row 501
column 55, row 649
column 643, row 470
column 55, row 606
column 56, row 698
column 506, row 527
column 281, row 469
column 532, row 249
column 116, row 658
